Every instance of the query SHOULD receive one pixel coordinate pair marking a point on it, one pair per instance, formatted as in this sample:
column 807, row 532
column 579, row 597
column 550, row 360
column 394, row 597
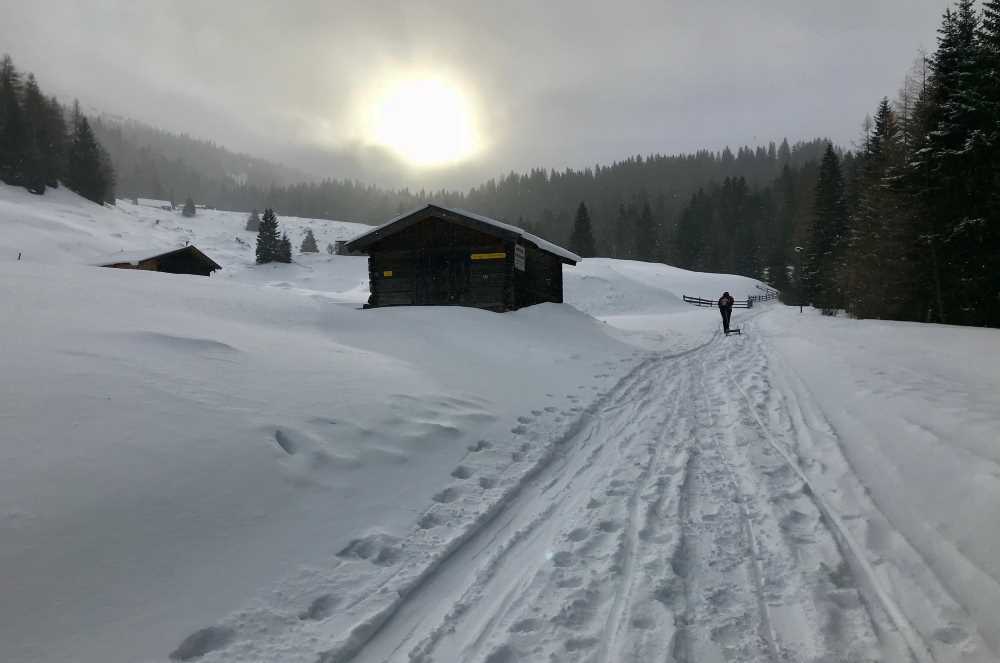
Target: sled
column 734, row 331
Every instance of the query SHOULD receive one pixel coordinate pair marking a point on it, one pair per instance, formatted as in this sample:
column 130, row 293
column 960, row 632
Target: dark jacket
column 726, row 302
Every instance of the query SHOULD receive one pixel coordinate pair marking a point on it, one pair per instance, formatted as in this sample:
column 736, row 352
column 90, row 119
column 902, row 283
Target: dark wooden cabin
column 185, row 260
column 439, row 256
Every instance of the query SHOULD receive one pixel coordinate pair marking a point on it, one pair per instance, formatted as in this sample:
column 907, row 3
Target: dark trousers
column 726, row 314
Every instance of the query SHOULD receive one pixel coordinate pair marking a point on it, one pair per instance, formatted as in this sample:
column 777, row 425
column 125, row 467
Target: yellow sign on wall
column 387, row 273
column 489, row 256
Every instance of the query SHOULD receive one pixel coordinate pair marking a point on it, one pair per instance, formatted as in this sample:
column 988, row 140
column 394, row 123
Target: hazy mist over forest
column 554, row 84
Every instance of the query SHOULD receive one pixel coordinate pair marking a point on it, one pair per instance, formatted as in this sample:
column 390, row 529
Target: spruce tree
column 823, row 268
column 57, row 137
column 309, row 243
column 189, row 209
column 88, row 171
column 267, row 238
column 646, row 235
column 36, row 175
column 253, row 221
column 14, row 143
column 581, row 241
column 284, row 249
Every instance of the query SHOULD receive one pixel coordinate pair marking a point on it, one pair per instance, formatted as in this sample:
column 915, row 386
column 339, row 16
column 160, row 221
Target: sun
column 425, row 121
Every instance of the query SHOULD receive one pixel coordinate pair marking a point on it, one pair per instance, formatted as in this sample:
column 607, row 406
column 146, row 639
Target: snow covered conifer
column 13, row 132
column 581, row 241
column 267, row 238
column 309, row 243
column 189, row 208
column 284, row 249
column 89, row 172
column 253, row 221
column 828, row 236
column 647, row 235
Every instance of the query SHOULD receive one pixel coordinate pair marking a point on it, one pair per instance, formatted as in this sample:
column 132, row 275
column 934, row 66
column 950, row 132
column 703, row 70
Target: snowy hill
column 216, row 429
column 249, row 467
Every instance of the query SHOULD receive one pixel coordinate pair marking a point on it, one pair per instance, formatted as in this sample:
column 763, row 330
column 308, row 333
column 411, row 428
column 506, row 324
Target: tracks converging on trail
column 681, row 518
column 669, row 527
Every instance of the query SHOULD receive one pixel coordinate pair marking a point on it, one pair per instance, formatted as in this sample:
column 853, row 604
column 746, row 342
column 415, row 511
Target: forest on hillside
column 42, row 145
column 904, row 226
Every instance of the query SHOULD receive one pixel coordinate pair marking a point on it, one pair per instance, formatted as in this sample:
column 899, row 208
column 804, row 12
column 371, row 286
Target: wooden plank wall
column 402, row 266
column 542, row 279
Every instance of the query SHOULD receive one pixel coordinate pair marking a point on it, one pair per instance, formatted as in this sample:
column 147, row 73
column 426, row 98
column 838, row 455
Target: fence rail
column 769, row 294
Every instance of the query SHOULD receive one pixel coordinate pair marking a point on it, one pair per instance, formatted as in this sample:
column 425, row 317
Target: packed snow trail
column 678, row 522
column 665, row 531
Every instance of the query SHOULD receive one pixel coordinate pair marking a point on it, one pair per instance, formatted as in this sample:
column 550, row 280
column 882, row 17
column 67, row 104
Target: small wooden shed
column 438, row 256
column 185, row 260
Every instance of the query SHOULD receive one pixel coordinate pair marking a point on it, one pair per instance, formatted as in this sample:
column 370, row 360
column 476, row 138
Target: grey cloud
column 561, row 83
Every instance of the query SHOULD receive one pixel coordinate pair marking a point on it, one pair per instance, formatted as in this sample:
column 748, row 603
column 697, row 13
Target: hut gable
column 441, row 256
column 185, row 260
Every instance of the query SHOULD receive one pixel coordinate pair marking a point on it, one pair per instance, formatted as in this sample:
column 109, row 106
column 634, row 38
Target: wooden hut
column 185, row 260
column 440, row 256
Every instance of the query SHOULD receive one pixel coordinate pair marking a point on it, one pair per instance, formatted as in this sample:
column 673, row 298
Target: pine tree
column 267, row 238
column 88, row 169
column 949, row 179
column 36, row 174
column 253, row 221
column 14, row 144
column 309, row 243
column 284, row 250
column 647, row 235
column 57, row 135
column 189, row 209
column 823, row 267
column 581, row 241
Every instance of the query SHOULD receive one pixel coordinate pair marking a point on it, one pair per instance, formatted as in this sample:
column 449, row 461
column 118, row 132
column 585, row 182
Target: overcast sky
column 554, row 83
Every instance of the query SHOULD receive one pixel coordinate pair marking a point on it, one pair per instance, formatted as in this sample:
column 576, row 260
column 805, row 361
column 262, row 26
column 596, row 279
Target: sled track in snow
column 849, row 546
column 635, row 543
column 669, row 522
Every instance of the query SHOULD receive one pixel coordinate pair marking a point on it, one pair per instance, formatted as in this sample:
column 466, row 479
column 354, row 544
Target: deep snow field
column 249, row 467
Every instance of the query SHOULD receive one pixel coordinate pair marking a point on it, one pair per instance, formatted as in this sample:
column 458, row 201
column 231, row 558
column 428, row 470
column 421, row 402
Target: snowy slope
column 249, row 467
column 175, row 445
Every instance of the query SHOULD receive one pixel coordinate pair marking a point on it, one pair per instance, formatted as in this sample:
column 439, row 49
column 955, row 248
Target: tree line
column 909, row 229
column 41, row 145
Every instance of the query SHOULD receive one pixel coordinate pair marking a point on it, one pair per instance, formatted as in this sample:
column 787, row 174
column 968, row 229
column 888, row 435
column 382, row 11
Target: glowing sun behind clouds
column 426, row 121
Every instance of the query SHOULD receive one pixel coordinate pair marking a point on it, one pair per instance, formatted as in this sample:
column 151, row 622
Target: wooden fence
column 768, row 295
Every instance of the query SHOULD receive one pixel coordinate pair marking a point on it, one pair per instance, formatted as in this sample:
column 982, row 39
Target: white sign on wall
column 519, row 257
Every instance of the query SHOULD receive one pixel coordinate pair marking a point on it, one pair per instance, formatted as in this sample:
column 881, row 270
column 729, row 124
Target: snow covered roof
column 152, row 202
column 361, row 242
column 136, row 257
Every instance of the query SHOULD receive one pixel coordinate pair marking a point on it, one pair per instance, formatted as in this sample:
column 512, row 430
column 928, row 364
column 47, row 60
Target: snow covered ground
column 251, row 468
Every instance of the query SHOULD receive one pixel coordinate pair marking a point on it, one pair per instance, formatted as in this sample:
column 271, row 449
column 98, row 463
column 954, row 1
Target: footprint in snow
column 379, row 549
column 321, row 608
column 461, row 472
column 448, row 495
column 486, row 483
column 524, row 420
column 579, row 534
column 562, row 558
column 609, row 525
column 202, row 642
column 428, row 521
column 951, row 635
column 525, row 626
column 481, row 445
column 519, row 430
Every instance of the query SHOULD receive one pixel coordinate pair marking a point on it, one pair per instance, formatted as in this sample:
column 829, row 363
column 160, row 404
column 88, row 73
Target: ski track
column 700, row 511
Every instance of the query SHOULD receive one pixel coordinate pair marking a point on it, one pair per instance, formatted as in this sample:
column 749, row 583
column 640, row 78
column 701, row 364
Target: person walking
column 726, row 308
